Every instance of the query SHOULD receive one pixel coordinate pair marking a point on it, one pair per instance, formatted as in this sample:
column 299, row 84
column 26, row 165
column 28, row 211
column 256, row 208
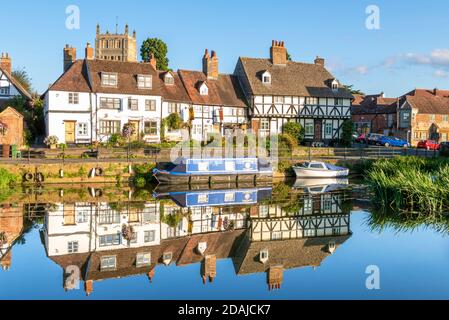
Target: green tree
column 347, row 132
column 289, row 57
column 159, row 49
column 351, row 89
column 295, row 130
column 23, row 78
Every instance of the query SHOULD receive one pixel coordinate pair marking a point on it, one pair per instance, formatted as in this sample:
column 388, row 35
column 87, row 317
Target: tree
column 23, row 78
column 347, row 132
column 289, row 57
column 351, row 89
column 159, row 49
column 295, row 130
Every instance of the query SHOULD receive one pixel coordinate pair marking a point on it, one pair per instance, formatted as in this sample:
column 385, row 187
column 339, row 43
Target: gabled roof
column 429, row 104
column 75, row 79
column 428, row 93
column 293, row 79
column 373, row 104
column 224, row 91
column 175, row 92
column 11, row 109
column 17, row 85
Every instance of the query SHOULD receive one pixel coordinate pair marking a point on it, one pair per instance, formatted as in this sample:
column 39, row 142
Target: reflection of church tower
column 209, row 268
column 6, row 261
column 116, row 47
column 89, row 287
column 275, row 276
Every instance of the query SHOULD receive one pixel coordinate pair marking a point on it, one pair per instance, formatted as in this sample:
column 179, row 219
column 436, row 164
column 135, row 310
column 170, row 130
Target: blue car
column 393, row 142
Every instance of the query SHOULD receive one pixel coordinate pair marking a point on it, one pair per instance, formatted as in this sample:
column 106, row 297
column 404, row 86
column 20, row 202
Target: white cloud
column 440, row 73
column 362, row 70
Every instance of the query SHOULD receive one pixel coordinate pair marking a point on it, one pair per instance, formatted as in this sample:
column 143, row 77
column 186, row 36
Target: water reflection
column 260, row 229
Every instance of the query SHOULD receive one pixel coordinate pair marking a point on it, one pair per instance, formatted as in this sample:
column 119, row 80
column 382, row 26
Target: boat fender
column 61, row 173
column 99, row 172
column 92, row 191
column 98, row 193
column 28, row 176
column 39, row 177
column 92, row 173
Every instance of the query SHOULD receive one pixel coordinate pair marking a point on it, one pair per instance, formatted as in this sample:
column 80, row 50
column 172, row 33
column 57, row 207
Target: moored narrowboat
column 214, row 170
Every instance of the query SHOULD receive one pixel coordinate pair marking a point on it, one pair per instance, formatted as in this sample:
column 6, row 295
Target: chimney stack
column 278, row 53
column 89, row 52
column 435, row 91
column 69, row 57
column 153, row 61
column 320, row 61
column 5, row 63
column 210, row 64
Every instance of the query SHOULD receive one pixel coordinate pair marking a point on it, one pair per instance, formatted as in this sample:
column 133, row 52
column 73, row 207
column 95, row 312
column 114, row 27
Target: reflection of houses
column 11, row 228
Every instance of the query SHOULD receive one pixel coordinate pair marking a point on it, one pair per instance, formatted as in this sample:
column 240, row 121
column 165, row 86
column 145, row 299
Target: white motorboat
column 316, row 169
column 321, row 185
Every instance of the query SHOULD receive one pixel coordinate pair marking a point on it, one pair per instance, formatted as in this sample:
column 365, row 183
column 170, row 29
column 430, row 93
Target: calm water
column 312, row 240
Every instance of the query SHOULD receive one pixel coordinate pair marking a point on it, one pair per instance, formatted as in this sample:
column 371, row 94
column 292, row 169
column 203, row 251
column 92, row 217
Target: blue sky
column 410, row 50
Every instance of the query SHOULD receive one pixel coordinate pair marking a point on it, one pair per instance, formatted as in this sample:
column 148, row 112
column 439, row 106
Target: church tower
column 116, row 47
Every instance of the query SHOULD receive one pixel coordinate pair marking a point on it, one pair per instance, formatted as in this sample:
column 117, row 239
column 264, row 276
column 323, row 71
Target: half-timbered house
column 9, row 86
column 279, row 91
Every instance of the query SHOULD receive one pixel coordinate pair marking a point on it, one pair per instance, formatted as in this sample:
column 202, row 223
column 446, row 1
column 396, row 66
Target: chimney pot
column 278, row 53
column 210, row 66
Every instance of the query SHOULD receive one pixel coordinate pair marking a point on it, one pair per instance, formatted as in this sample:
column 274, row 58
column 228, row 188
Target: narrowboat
column 211, row 198
column 316, row 169
column 214, row 170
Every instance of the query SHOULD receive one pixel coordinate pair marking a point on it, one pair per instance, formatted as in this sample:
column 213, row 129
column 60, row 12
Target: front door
column 69, row 131
column 136, row 125
column 318, row 127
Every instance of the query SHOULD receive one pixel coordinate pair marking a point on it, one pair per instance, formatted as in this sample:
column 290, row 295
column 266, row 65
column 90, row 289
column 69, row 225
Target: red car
column 361, row 138
column 429, row 145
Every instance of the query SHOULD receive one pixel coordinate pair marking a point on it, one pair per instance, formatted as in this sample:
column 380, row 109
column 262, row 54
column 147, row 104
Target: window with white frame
column 406, row 116
column 197, row 129
column 133, row 104
column 169, row 80
column 150, row 105
column 72, row 247
column 109, row 126
column 144, row 81
column 445, row 118
column 109, row 79
column 265, row 125
column 432, row 117
column 312, row 101
column 143, row 259
column 110, row 240
column 328, row 129
column 204, row 90
column 4, row 91
column 73, row 98
column 108, row 263
column 173, row 107
column 278, row 99
column 110, row 103
column 276, row 235
column 309, row 129
column 82, row 128
column 149, row 236
column 150, row 127
column 266, row 78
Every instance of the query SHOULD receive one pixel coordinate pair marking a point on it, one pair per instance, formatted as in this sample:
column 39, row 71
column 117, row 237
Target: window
column 278, row 99
column 197, row 129
column 204, row 90
column 150, row 105
column 167, row 256
column 149, row 236
column 169, row 79
column 264, row 255
column 110, row 103
column 276, row 235
column 265, row 124
column 316, row 166
column 309, row 129
column 445, row 118
column 310, row 232
column 110, row 240
column 150, row 127
column 328, row 129
column 406, row 115
column 432, row 117
column 173, row 107
column 312, row 101
column 335, row 86
column 109, row 79
column 229, row 197
column 109, row 127
column 82, row 128
column 266, row 77
column 4, row 91
column 73, row 98
column 203, row 198
column 145, row 82
column 72, row 247
column 443, row 137
column 134, row 237
column 109, row 217
column 423, row 136
column 143, row 259
column 133, row 104
column 336, row 231
column 108, row 263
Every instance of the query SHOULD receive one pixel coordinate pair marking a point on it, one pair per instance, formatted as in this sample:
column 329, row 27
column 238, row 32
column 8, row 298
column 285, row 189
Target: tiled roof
column 224, row 91
column 373, row 104
column 175, row 92
column 429, row 104
column 75, row 79
column 293, row 79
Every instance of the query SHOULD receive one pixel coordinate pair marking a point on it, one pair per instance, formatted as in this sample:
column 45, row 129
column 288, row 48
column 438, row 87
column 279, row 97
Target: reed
column 410, row 184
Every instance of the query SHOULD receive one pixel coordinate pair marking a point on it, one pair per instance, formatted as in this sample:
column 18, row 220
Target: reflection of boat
column 319, row 170
column 321, row 185
column 209, row 198
column 213, row 170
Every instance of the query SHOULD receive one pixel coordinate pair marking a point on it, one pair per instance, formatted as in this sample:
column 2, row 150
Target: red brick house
column 11, row 127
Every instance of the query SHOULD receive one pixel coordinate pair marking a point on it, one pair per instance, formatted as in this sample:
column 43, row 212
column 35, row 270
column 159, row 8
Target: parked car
column 373, row 138
column 393, row 142
column 428, row 145
column 361, row 138
column 444, row 148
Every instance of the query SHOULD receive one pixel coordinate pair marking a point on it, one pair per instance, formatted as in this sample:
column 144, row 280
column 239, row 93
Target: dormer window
column 109, row 79
column 266, row 78
column 168, row 79
column 335, row 85
column 263, row 256
column 204, row 90
column 144, row 81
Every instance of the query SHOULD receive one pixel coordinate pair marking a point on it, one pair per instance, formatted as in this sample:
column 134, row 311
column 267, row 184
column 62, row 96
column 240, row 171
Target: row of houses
column 97, row 95
column 421, row 114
